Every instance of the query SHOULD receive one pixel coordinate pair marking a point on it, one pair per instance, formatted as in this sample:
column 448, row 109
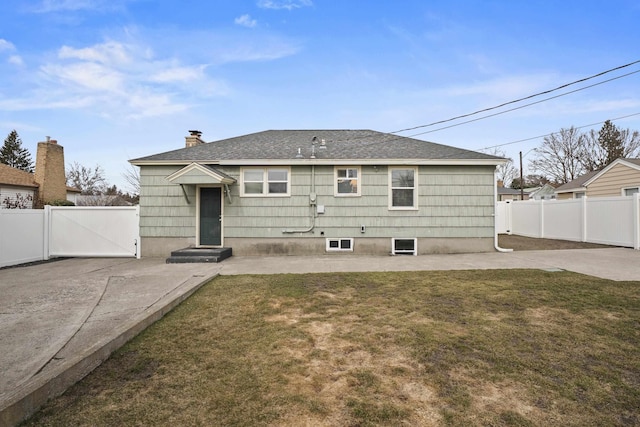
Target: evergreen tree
column 610, row 139
column 13, row 154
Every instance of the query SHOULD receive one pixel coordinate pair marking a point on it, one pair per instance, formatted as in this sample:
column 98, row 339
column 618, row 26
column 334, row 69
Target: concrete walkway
column 60, row 320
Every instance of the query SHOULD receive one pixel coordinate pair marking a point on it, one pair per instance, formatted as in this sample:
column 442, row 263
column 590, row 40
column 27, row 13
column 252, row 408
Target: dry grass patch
column 416, row 348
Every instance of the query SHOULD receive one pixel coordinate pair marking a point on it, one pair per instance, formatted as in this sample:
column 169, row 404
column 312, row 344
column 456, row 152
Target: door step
column 187, row 255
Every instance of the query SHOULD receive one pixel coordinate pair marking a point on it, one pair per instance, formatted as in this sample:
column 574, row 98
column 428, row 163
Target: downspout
column 495, row 217
column 312, row 203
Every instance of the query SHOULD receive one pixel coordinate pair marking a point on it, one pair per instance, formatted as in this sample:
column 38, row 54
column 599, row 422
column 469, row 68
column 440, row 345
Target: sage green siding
column 164, row 211
column 453, row 201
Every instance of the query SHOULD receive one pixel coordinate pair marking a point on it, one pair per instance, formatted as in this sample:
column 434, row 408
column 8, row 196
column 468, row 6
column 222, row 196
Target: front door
column 210, row 216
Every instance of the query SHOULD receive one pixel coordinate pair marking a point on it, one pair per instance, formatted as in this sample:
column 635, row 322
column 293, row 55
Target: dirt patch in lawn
column 521, row 243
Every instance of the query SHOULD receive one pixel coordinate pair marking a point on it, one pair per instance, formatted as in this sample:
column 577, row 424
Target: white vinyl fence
column 28, row 235
column 605, row 220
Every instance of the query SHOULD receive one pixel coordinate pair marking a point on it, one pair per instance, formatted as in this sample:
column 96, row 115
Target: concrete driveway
column 60, row 320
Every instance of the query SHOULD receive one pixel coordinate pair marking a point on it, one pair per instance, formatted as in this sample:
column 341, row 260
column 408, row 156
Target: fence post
column 636, row 221
column 138, row 244
column 47, row 232
column 542, row 219
column 584, row 218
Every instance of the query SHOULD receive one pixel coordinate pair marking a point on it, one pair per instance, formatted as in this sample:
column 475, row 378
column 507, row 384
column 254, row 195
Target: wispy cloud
column 139, row 72
column 118, row 80
column 86, row 76
column 284, row 4
column 246, row 21
column 105, row 53
column 178, row 74
column 16, row 60
column 51, row 6
column 505, row 87
column 249, row 51
column 6, row 45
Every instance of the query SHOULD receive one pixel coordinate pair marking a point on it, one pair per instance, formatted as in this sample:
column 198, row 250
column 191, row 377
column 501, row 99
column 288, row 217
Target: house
column 620, row 178
column 18, row 189
column 505, row 193
column 544, row 192
column 317, row 191
column 24, row 190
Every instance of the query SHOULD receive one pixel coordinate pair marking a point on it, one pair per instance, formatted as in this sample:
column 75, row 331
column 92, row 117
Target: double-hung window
column 257, row 182
column 630, row 191
column 347, row 181
column 403, row 188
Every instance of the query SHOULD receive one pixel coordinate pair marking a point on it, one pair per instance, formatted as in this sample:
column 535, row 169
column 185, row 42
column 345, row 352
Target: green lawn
column 508, row 347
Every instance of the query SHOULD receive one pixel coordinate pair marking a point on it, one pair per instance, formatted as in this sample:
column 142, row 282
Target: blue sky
column 113, row 80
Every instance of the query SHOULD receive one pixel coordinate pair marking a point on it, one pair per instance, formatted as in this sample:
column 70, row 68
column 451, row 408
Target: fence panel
column 526, row 218
column 22, row 236
column 94, row 231
column 611, row 220
column 604, row 220
column 563, row 220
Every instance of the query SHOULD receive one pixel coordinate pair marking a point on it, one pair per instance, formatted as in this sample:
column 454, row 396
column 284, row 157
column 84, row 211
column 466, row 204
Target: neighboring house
column 620, row 178
column 24, row 190
column 317, row 191
column 545, row 192
column 505, row 193
column 18, row 189
column 73, row 194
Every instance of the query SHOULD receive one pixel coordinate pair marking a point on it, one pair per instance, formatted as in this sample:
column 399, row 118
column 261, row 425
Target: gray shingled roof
column 576, row 183
column 340, row 145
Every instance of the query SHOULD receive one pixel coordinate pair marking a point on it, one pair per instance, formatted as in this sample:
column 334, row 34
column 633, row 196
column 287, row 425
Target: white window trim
column 265, row 182
column 575, row 194
column 339, row 248
column 335, row 181
column 623, row 189
column 393, row 246
column 415, row 189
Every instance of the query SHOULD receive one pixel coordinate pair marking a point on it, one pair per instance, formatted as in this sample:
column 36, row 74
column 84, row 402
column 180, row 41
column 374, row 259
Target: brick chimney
column 50, row 171
column 500, row 183
column 194, row 138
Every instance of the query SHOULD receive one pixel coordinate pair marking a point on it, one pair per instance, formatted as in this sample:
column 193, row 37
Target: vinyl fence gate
column 28, row 235
column 93, row 231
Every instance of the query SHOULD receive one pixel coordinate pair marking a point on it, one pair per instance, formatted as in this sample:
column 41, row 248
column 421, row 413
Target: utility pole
column 521, row 180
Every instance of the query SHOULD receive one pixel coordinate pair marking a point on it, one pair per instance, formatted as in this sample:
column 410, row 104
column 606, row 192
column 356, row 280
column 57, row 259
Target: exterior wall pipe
column 313, row 206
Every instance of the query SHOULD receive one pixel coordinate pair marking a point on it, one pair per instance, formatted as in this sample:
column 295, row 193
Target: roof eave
column 324, row 162
column 571, row 190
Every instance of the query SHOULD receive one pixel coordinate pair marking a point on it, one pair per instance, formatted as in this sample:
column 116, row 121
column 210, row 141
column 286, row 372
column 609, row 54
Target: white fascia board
column 609, row 167
column 203, row 170
column 326, row 162
column 362, row 162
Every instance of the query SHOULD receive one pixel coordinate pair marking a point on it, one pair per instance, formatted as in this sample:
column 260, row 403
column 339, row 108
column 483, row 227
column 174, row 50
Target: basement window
column 404, row 246
column 340, row 245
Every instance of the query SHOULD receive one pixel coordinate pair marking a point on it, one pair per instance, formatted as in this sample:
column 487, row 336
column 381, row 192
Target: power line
column 520, row 99
column 549, row 134
column 525, row 105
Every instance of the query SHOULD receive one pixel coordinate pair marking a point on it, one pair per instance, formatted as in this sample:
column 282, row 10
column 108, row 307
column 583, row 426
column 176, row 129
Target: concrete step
column 189, row 255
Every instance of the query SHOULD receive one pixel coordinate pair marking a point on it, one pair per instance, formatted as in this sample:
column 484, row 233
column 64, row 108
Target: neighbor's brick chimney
column 194, row 138
column 50, row 171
